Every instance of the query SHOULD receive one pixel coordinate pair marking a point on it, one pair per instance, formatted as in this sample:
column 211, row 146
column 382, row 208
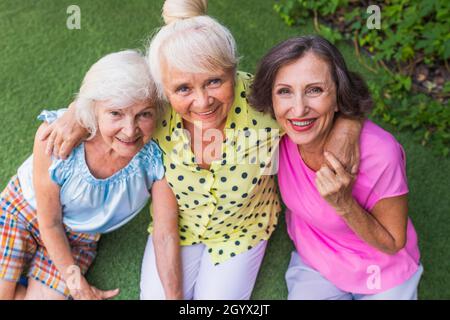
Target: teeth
column 302, row 123
column 131, row 141
column 207, row 113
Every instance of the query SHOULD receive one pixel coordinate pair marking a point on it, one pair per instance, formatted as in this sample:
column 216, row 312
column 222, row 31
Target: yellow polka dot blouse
column 234, row 204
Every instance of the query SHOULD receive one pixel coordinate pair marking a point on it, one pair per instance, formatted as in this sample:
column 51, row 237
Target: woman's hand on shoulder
column 343, row 142
column 63, row 135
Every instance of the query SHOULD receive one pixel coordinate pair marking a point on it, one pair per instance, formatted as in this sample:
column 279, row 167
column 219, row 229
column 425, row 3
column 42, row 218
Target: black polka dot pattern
column 231, row 206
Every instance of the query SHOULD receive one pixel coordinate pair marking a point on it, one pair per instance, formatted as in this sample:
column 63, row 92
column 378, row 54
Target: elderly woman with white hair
column 211, row 140
column 54, row 211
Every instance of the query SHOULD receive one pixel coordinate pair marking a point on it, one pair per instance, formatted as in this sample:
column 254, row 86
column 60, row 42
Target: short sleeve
column 156, row 170
column 49, row 115
column 60, row 170
column 387, row 172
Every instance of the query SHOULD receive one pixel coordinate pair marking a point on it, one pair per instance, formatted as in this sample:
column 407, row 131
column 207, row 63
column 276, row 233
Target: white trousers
column 305, row 283
column 233, row 279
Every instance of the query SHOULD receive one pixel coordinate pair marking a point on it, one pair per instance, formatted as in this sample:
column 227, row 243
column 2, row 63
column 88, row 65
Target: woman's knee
column 150, row 285
column 234, row 279
column 151, row 291
column 305, row 283
column 231, row 293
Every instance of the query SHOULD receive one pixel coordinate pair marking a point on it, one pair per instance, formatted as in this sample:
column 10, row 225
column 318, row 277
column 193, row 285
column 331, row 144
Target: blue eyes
column 146, row 114
column 182, row 89
column 213, row 83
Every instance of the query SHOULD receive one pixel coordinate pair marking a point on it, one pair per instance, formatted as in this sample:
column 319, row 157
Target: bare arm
column 49, row 216
column 63, row 134
column 49, row 211
column 166, row 239
column 343, row 142
column 384, row 228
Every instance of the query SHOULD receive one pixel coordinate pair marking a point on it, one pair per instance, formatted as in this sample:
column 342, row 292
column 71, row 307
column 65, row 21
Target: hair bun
column 183, row 9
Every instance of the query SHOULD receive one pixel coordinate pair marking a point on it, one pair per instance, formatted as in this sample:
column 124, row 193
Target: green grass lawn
column 42, row 64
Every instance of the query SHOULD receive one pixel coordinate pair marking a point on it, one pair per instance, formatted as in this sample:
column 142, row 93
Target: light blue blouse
column 94, row 205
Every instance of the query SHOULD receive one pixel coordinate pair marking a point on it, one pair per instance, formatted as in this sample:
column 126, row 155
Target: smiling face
column 304, row 100
column 204, row 98
column 125, row 130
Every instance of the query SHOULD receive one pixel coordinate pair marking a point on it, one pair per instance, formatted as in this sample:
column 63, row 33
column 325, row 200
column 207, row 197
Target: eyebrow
column 212, row 77
column 111, row 108
column 309, row 84
column 218, row 75
column 177, row 86
column 315, row 83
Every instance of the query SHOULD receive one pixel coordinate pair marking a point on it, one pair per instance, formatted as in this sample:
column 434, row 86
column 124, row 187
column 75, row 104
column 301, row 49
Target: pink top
column 323, row 239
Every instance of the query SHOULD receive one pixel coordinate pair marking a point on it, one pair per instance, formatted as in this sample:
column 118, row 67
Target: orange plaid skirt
column 22, row 251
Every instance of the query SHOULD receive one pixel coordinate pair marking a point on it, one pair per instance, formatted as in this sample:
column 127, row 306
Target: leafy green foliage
column 427, row 118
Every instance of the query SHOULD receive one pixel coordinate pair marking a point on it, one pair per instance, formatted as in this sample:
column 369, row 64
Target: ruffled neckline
column 122, row 174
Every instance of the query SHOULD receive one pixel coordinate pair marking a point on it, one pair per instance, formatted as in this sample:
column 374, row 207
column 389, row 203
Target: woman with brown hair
column 352, row 233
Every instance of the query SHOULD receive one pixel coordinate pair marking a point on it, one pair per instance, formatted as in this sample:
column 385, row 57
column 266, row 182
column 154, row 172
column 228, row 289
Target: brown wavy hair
column 352, row 94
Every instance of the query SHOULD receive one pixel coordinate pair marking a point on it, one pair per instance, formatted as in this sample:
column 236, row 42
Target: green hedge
column 411, row 33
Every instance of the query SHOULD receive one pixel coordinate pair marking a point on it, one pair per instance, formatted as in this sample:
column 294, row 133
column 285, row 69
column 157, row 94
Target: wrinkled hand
column 344, row 143
column 63, row 135
column 87, row 292
column 335, row 185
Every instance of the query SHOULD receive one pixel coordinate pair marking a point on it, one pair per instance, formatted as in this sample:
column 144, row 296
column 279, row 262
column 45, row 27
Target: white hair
column 190, row 41
column 122, row 78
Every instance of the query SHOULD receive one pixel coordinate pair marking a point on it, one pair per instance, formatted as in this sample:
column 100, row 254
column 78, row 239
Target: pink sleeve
column 388, row 175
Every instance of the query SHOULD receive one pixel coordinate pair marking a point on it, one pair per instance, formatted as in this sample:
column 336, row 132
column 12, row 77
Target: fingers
column 59, row 145
column 326, row 174
column 335, row 164
column 341, row 174
column 86, row 294
column 357, row 159
column 66, row 147
column 334, row 186
column 50, row 143
column 109, row 294
column 355, row 169
column 46, row 132
column 105, row 294
column 327, row 180
column 320, row 184
column 56, row 145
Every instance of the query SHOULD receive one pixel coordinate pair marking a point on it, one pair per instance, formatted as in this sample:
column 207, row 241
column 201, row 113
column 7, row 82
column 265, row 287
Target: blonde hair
column 190, row 41
column 122, row 78
column 181, row 9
